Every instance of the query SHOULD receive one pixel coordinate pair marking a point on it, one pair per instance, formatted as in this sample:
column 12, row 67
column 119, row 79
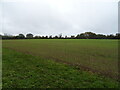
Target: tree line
column 86, row 35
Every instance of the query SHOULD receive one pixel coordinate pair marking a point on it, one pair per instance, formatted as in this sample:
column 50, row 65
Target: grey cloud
column 70, row 18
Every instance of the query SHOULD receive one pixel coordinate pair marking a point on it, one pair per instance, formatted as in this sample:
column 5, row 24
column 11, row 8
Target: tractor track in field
column 85, row 68
column 75, row 65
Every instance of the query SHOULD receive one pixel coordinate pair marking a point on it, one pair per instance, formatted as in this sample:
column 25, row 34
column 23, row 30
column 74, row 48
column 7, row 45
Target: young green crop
column 22, row 70
column 99, row 56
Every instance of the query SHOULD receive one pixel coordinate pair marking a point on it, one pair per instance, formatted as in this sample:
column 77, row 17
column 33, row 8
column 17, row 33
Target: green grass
column 0, row 64
column 22, row 70
column 100, row 56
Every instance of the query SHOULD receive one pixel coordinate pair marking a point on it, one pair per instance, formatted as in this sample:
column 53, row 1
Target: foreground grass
column 25, row 71
column 0, row 64
column 97, row 55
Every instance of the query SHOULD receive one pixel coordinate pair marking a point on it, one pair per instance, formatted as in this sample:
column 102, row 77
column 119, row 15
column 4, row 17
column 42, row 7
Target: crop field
column 60, row 63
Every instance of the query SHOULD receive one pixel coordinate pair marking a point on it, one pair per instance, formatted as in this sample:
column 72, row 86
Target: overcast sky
column 52, row 17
